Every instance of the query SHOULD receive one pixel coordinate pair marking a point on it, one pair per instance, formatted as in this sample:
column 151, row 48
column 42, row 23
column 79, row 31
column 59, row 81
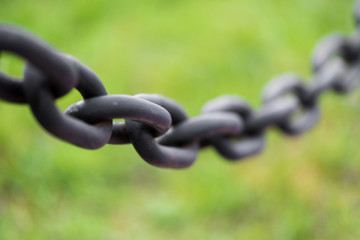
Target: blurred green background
column 192, row 51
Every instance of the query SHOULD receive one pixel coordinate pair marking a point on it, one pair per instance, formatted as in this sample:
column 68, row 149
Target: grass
column 192, row 51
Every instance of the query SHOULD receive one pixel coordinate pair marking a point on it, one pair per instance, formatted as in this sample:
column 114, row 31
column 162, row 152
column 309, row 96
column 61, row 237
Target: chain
column 158, row 127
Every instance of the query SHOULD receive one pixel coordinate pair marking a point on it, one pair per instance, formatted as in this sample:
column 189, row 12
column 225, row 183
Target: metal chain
column 158, row 127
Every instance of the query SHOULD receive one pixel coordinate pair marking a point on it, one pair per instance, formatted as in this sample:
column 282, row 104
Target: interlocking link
column 61, row 125
column 309, row 114
column 244, row 144
column 158, row 127
column 152, row 151
column 109, row 107
column 61, row 72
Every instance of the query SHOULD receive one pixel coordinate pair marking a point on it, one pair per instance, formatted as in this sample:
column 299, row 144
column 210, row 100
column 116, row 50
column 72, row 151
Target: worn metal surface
column 158, row 127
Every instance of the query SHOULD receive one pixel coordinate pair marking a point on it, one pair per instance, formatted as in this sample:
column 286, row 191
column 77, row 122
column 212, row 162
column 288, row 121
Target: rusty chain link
column 158, row 127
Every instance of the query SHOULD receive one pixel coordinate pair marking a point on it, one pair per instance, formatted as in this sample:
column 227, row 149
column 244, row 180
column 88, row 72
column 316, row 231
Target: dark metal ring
column 242, row 145
column 329, row 47
column 63, row 126
column 350, row 77
column 330, row 76
column 310, row 113
column 272, row 112
column 153, row 152
column 108, row 107
column 239, row 148
column 62, row 74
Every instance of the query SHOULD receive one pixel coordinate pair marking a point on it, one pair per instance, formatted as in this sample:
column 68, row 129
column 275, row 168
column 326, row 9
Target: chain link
column 158, row 127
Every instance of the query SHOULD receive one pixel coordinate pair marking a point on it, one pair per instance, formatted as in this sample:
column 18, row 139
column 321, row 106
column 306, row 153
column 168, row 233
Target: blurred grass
column 192, row 51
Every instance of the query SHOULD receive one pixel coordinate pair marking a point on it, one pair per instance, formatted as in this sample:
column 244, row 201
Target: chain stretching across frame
column 158, row 127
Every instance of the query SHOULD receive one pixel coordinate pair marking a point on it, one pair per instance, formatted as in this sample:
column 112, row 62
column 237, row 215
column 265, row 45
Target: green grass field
column 305, row 187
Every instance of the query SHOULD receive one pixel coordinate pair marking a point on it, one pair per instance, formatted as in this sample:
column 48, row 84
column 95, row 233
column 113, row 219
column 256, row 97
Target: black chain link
column 158, row 127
